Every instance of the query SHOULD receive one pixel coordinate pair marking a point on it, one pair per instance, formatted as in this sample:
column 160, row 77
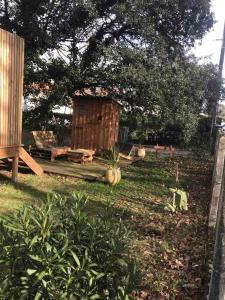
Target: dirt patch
column 173, row 252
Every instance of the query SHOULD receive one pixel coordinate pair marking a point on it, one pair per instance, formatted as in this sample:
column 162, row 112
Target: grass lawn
column 170, row 249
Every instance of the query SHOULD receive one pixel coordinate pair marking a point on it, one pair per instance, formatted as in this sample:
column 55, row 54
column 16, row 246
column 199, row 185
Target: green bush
column 57, row 251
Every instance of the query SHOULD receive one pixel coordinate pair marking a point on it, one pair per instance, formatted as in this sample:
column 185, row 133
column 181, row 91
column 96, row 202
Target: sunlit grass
column 139, row 185
column 139, row 199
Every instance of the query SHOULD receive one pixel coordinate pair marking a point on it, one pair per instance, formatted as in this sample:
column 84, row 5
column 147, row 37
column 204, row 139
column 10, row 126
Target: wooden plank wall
column 95, row 124
column 11, row 88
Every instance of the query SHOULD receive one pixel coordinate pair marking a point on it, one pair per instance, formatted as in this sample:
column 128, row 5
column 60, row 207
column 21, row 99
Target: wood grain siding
column 11, row 102
column 11, row 88
column 95, row 123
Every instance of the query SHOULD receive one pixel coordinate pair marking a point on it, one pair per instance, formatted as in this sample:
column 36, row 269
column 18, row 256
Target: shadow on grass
column 8, row 167
column 32, row 192
column 139, row 188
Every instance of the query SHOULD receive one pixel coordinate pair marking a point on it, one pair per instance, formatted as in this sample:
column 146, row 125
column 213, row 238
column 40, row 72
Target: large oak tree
column 136, row 45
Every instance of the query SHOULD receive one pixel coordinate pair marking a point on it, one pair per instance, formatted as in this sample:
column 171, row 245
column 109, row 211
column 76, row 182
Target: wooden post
column 217, row 179
column 15, row 164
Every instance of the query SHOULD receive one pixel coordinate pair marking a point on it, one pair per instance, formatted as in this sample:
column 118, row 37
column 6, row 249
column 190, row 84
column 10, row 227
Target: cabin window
column 81, row 110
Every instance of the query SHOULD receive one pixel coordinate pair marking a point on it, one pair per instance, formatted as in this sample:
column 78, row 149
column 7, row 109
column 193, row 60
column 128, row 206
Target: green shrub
column 57, row 251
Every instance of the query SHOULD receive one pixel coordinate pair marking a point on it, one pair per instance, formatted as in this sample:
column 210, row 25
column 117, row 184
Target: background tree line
column 137, row 46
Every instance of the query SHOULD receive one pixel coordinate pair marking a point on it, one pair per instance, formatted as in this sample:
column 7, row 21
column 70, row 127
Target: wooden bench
column 46, row 146
column 80, row 155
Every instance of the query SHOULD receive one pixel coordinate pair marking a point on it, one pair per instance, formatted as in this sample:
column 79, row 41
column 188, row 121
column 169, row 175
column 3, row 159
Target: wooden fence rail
column 217, row 221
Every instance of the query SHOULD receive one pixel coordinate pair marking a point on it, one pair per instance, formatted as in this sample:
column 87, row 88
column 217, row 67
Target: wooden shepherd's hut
column 11, row 101
column 95, row 120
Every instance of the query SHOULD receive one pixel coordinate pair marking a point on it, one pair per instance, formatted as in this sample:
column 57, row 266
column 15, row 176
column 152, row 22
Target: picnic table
column 80, row 155
column 164, row 149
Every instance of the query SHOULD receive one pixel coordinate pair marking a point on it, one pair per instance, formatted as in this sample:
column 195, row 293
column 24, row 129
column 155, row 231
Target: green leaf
column 16, row 229
column 100, row 275
column 95, row 296
column 90, row 281
column 36, row 221
column 48, row 247
column 34, row 240
column 44, row 283
column 38, row 296
column 75, row 258
column 31, row 271
column 36, row 258
column 122, row 262
column 41, row 275
column 169, row 207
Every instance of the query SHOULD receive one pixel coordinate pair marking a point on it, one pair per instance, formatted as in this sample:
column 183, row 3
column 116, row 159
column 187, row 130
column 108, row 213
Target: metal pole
column 215, row 110
column 222, row 54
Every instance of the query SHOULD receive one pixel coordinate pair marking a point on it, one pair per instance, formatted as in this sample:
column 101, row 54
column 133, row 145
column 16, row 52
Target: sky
column 209, row 46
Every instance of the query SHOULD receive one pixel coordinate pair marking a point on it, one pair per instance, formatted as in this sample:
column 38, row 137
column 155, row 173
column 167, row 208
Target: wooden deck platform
column 92, row 171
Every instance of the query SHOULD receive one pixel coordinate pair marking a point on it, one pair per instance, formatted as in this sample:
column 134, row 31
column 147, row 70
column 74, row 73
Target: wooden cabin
column 95, row 122
column 11, row 101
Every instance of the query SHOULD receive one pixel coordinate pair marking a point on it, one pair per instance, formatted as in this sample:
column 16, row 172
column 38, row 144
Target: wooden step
column 30, row 162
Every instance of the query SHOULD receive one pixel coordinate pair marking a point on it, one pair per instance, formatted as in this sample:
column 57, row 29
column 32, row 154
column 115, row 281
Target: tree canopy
column 135, row 45
column 92, row 25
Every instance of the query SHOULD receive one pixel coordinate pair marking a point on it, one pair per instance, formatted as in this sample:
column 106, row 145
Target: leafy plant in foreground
column 57, row 251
